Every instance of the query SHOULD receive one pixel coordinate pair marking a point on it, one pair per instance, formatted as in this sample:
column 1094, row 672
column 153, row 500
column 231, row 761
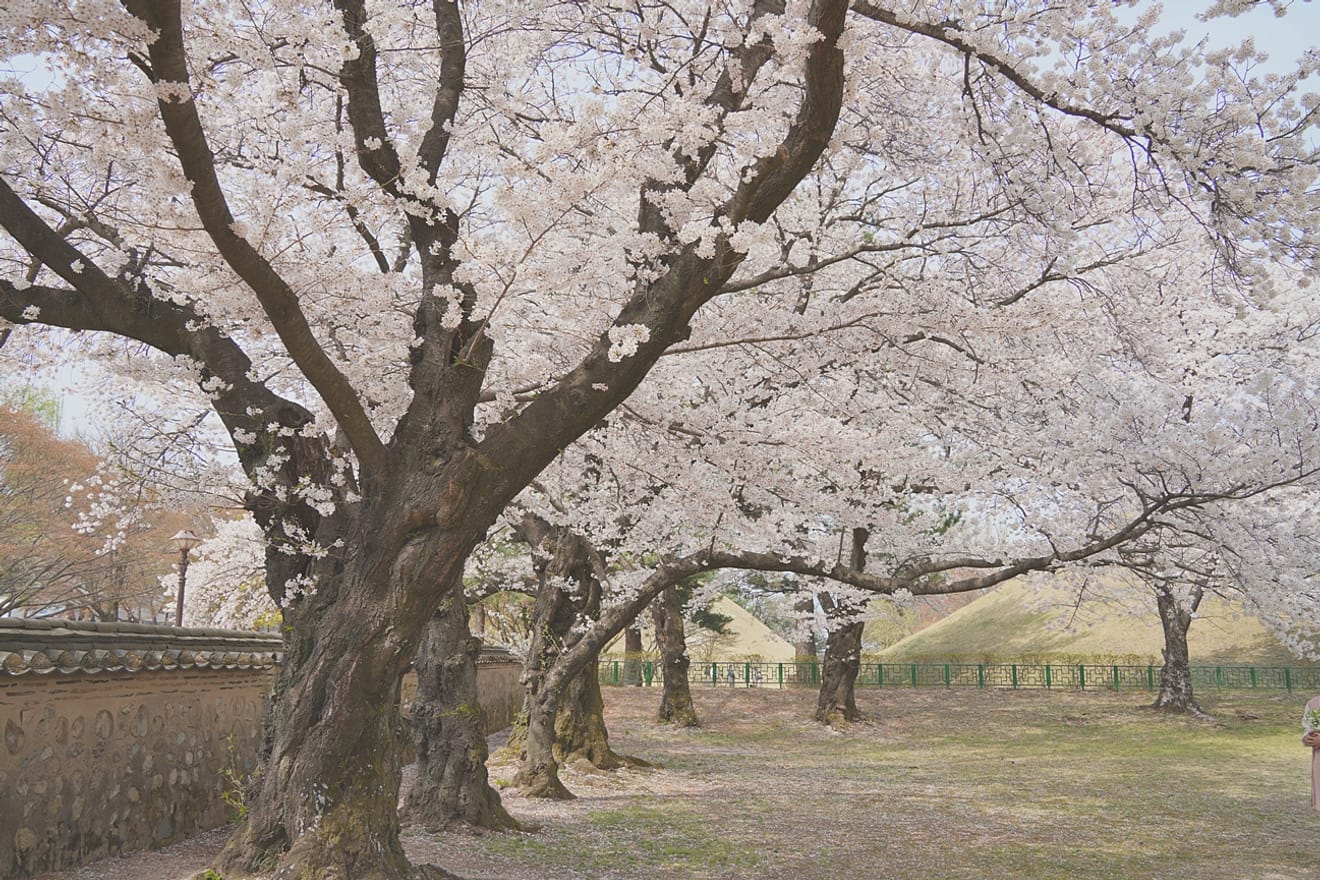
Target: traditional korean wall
column 499, row 689
column 118, row 737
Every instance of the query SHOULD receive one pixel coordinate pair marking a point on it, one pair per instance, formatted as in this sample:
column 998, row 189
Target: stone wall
column 499, row 689
column 118, row 737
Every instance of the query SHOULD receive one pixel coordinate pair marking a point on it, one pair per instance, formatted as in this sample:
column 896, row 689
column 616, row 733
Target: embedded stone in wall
column 104, row 755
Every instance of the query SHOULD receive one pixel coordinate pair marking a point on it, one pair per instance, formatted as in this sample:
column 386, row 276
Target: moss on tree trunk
column 452, row 786
column 326, row 806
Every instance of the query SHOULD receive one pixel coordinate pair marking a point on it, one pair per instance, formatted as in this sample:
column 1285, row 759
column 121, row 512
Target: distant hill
column 1039, row 618
column 745, row 638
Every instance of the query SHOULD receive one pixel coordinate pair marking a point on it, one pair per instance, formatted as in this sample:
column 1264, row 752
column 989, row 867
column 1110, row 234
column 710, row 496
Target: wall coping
column 495, row 654
column 46, row 646
column 53, row 646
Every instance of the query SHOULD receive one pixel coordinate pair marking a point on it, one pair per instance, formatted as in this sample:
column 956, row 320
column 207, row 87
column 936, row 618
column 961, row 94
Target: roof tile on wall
column 48, row 646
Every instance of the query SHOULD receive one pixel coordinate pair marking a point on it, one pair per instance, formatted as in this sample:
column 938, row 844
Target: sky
column 1284, row 39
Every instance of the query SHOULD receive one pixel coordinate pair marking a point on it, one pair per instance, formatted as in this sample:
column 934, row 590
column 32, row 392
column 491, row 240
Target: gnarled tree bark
column 327, row 804
column 564, row 716
column 1175, row 693
column 580, row 733
column 676, row 705
column 843, row 649
column 448, row 723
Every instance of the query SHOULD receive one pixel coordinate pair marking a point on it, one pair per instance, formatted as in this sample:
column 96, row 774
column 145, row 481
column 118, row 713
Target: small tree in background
column 73, row 543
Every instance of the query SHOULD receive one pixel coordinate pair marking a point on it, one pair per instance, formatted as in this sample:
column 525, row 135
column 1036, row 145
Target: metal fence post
column 1287, row 678
column 781, row 675
column 980, row 675
column 1014, row 676
column 1150, row 678
column 1115, row 676
column 1081, row 675
column 914, row 675
column 1047, row 676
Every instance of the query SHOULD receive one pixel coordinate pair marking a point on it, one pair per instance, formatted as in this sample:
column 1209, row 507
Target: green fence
column 1014, row 676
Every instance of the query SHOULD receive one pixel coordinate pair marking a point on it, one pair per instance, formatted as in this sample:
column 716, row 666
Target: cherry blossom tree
column 1261, row 554
column 227, row 579
column 408, row 255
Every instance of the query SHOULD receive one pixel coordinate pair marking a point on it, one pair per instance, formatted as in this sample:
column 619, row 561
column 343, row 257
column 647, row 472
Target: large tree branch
column 727, row 96
column 448, row 366
column 377, row 154
column 375, row 148
column 599, row 383
column 950, row 35
column 169, row 71
column 98, row 302
column 453, row 64
column 916, row 578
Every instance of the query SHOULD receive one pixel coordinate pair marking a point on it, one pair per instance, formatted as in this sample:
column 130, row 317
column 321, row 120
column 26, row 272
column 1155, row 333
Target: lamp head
column 185, row 540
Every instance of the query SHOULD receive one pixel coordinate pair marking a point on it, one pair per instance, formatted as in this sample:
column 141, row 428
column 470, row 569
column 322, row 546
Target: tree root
column 543, row 785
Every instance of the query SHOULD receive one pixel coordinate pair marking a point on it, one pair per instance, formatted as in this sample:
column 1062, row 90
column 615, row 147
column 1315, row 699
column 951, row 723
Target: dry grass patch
column 941, row 785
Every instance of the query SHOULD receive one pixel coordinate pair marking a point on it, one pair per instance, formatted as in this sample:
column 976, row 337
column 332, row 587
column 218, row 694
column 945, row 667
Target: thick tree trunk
column 538, row 771
column 633, row 655
column 327, row 806
column 565, row 713
column 449, row 730
column 571, row 560
column 676, row 702
column 580, row 733
column 1176, row 674
column 843, row 650
column 577, row 734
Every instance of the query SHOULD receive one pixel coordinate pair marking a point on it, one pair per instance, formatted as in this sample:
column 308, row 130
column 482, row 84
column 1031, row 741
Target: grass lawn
column 940, row 785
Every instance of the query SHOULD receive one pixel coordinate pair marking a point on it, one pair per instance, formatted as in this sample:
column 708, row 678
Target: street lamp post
column 183, row 542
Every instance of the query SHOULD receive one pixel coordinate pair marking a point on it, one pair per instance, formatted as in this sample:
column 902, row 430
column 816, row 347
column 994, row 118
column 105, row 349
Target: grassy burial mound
column 1040, row 618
